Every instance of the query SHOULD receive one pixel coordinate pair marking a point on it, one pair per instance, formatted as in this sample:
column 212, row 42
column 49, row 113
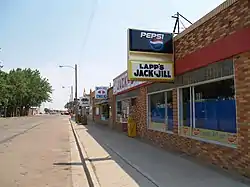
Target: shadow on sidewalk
column 102, row 135
column 142, row 179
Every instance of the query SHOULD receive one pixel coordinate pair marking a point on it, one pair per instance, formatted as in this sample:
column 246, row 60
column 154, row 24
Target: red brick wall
column 223, row 36
column 242, row 81
column 116, row 125
column 140, row 110
column 225, row 23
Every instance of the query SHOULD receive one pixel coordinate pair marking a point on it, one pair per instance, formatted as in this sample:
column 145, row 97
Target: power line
column 91, row 18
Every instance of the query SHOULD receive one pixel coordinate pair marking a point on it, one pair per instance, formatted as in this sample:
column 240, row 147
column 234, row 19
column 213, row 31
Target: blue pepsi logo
column 156, row 44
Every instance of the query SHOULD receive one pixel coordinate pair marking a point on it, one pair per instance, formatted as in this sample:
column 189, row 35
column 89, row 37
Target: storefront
column 160, row 107
column 125, row 94
column 103, row 108
column 205, row 112
column 202, row 101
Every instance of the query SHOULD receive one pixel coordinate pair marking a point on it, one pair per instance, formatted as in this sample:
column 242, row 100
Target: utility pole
column 75, row 99
column 71, row 94
column 75, row 81
column 177, row 16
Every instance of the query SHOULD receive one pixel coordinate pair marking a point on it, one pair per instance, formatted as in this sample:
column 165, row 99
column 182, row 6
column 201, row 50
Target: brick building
column 101, row 109
column 206, row 111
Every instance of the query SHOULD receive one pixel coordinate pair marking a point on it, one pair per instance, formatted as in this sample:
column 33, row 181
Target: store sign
column 84, row 101
column 101, row 92
column 150, row 41
column 121, row 83
column 150, row 56
column 156, row 71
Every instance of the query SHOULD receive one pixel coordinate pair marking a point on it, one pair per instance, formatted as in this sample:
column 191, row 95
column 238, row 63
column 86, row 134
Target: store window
column 169, row 112
column 208, row 111
column 122, row 111
column 105, row 112
column 160, row 110
column 118, row 110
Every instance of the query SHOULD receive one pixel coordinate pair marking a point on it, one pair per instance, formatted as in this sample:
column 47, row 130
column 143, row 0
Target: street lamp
column 75, row 68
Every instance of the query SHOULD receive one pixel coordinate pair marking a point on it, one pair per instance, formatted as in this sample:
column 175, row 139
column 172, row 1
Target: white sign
column 141, row 70
column 121, row 83
column 101, row 92
column 84, row 101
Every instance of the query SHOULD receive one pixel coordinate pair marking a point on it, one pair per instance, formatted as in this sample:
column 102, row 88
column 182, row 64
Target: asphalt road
column 35, row 151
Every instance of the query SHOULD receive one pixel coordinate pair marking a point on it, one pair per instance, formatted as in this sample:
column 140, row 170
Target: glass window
column 161, row 111
column 118, row 110
column 105, row 112
column 215, row 106
column 208, row 111
column 185, row 107
column 125, row 110
column 122, row 111
column 118, row 107
column 169, row 111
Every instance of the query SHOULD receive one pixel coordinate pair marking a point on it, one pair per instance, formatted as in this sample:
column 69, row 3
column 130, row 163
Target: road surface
column 33, row 151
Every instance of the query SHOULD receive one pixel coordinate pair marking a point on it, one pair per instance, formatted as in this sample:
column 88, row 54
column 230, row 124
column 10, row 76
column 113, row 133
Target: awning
column 103, row 101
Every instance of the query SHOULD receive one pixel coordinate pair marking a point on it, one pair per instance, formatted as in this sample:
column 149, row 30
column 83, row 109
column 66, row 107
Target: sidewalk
column 120, row 161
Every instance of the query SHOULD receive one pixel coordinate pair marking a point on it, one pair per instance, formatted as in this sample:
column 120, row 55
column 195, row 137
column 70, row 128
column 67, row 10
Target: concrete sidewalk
column 118, row 161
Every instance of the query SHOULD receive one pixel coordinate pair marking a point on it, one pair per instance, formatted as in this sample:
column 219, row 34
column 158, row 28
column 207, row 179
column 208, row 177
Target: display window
column 160, row 111
column 122, row 111
column 208, row 111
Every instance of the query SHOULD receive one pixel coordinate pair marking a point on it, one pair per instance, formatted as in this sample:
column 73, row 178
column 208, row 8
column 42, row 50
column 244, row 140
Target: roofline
column 120, row 75
column 205, row 18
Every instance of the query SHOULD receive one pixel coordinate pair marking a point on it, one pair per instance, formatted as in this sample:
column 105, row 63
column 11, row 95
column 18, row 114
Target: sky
column 43, row 34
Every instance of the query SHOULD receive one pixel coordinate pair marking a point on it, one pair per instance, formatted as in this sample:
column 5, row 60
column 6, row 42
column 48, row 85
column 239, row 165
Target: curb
column 78, row 176
column 87, row 165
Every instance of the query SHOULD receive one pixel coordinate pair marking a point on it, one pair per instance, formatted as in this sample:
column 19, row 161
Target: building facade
column 101, row 108
column 206, row 111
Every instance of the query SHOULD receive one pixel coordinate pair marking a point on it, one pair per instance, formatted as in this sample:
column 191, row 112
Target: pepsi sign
column 150, row 41
column 101, row 92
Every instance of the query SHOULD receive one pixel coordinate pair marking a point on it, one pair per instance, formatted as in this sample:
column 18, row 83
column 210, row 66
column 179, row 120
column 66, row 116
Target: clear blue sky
column 43, row 34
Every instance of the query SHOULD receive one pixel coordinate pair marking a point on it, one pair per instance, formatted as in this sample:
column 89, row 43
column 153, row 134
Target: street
column 30, row 148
